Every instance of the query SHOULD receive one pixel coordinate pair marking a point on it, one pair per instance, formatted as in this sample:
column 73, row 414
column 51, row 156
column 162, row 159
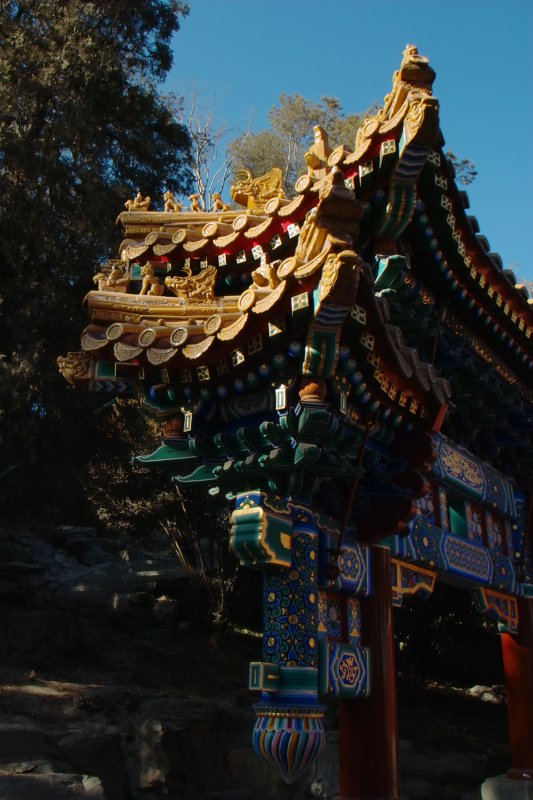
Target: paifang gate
column 352, row 367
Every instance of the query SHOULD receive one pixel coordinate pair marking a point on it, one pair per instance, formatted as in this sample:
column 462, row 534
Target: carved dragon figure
column 255, row 192
column 194, row 289
column 73, row 365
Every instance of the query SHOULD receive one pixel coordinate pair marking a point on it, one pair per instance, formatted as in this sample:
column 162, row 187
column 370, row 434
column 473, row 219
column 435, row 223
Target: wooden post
column 368, row 728
column 518, row 668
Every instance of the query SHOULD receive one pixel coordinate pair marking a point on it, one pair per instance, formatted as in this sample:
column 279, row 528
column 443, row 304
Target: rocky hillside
column 111, row 689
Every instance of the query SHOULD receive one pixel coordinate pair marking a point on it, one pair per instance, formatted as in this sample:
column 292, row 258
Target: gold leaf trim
column 125, row 352
column 158, row 355
column 89, row 342
column 192, row 247
column 312, row 266
column 271, row 299
column 164, row 249
column 293, row 206
column 193, row 351
column 257, row 230
column 231, row 331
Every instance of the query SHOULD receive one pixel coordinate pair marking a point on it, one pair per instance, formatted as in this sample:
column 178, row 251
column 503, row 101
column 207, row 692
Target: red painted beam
column 518, row 668
column 368, row 728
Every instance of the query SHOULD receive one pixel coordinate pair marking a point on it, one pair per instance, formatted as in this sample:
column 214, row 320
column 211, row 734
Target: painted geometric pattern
column 461, row 469
column 339, row 618
column 426, row 539
column 463, row 558
column 289, row 742
column 353, row 564
column 498, row 493
column 501, row 607
column 290, row 607
column 344, row 670
column 503, row 575
column 353, row 621
column 408, row 579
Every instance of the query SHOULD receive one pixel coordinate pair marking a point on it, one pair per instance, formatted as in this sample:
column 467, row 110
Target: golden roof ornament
column 218, row 203
column 139, row 203
column 171, row 204
column 150, row 285
column 194, row 289
column 74, row 365
column 114, row 277
column 410, row 101
column 196, row 203
column 254, row 193
column 317, row 156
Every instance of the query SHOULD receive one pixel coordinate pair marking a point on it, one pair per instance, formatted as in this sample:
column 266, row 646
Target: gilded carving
column 409, row 101
column 194, row 289
column 339, row 277
column 171, row 204
column 218, row 203
column 196, row 203
column 317, row 156
column 150, row 285
column 115, row 279
column 139, row 203
column 254, row 193
column 334, row 221
column 459, row 466
column 73, row 365
column 265, row 276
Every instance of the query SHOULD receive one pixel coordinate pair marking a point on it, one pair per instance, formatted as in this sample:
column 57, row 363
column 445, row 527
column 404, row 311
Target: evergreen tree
column 82, row 127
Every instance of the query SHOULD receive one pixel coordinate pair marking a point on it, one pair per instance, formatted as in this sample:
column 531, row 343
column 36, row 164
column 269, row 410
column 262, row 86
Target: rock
column 253, row 774
column 447, row 767
column 504, row 788
column 93, row 787
column 488, row 694
column 419, row 789
column 25, row 767
column 96, row 750
column 36, row 635
column 77, row 530
column 225, row 794
column 21, row 739
column 50, row 786
column 325, row 780
column 108, row 701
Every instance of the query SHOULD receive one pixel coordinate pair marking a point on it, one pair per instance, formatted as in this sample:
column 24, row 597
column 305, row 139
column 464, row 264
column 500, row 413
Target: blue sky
column 246, row 53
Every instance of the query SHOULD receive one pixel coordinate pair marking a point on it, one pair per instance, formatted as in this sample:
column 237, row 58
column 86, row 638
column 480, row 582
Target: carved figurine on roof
column 318, row 154
column 218, row 203
column 196, row 202
column 114, row 277
column 254, row 193
column 410, row 101
column 139, row 203
column 171, row 204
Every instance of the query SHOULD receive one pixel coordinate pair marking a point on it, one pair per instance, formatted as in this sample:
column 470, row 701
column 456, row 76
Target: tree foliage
column 82, row 126
column 212, row 162
column 465, row 171
column 291, row 133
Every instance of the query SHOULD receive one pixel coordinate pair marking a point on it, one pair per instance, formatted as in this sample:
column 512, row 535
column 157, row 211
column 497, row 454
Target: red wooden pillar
column 518, row 668
column 368, row 728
